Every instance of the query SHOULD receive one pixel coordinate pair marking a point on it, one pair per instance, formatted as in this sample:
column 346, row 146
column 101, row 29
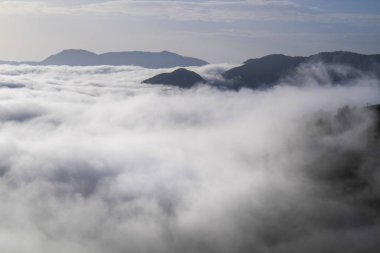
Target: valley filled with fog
column 92, row 160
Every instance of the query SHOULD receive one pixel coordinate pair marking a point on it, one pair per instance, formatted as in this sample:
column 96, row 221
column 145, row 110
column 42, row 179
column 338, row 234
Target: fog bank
column 91, row 160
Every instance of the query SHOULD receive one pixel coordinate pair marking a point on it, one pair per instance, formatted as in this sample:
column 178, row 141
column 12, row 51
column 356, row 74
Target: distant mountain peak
column 267, row 71
column 270, row 58
column 182, row 70
column 80, row 57
column 181, row 77
column 270, row 70
column 167, row 52
column 72, row 52
column 75, row 51
column 71, row 57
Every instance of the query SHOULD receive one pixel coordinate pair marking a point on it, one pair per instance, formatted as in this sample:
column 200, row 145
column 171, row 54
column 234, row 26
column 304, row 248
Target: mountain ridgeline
column 182, row 78
column 270, row 70
column 261, row 73
column 78, row 57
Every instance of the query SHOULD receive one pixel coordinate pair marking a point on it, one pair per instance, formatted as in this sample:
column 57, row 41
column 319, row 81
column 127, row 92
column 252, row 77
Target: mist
column 91, row 160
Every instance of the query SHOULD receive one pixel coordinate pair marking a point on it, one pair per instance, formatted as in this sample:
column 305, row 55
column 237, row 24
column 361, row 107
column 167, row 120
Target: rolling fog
column 93, row 161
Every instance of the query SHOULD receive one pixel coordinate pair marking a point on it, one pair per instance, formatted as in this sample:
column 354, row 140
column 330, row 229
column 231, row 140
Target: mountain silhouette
column 267, row 71
column 73, row 57
column 78, row 57
column 182, row 78
column 264, row 71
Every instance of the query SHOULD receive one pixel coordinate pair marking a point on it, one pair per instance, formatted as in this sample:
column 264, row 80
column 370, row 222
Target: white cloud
column 217, row 11
column 93, row 161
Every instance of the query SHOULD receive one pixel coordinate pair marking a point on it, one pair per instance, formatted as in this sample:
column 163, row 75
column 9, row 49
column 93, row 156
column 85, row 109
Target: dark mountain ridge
column 270, row 70
column 78, row 57
column 255, row 73
column 267, row 71
column 182, row 78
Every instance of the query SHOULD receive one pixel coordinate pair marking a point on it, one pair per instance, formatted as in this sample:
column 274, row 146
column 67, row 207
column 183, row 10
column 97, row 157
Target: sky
column 216, row 31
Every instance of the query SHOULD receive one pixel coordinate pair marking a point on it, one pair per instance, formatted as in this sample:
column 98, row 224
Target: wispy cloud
column 226, row 11
column 217, row 31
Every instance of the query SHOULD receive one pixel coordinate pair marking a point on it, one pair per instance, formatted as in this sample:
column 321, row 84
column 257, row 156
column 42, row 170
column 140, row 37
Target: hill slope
column 180, row 78
column 269, row 70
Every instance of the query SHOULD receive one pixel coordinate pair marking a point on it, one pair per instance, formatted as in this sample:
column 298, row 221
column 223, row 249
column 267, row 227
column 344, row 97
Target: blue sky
column 217, row 31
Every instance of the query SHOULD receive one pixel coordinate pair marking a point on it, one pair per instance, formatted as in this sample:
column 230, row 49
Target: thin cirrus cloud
column 216, row 31
column 259, row 10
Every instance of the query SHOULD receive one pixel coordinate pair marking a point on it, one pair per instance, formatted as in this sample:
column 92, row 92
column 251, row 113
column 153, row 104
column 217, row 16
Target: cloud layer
column 257, row 10
column 94, row 161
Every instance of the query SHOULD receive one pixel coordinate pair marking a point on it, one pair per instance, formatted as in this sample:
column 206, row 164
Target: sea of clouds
column 91, row 160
